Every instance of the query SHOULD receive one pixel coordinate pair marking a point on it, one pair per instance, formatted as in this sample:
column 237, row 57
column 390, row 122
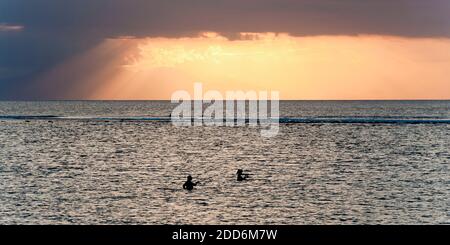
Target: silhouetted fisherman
column 189, row 185
column 241, row 176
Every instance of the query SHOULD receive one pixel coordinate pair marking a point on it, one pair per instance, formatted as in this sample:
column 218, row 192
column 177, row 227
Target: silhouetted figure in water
column 189, row 185
column 241, row 176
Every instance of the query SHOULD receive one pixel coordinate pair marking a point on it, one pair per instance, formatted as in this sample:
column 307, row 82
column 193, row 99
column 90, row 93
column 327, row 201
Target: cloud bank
column 7, row 28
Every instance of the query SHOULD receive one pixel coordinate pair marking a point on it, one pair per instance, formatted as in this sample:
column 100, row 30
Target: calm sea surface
column 337, row 162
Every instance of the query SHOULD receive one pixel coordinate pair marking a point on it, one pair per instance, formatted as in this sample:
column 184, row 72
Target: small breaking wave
column 366, row 120
column 27, row 117
column 282, row 120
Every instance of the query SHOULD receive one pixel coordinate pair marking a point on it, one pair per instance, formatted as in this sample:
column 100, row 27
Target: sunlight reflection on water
column 96, row 172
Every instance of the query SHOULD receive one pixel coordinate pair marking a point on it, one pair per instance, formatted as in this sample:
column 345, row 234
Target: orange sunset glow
column 312, row 67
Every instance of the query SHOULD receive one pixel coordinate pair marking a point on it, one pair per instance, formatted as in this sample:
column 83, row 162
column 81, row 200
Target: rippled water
column 87, row 171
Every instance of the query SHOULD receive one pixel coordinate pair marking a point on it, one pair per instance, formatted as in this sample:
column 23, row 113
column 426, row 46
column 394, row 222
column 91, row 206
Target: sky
column 305, row 49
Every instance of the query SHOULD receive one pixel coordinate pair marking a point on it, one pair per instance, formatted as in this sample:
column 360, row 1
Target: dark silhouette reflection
column 241, row 175
column 189, row 185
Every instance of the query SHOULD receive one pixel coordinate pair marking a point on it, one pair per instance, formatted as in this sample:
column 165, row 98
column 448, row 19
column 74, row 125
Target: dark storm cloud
column 180, row 17
column 49, row 31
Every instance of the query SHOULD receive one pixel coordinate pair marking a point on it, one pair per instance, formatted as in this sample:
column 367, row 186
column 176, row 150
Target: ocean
column 123, row 162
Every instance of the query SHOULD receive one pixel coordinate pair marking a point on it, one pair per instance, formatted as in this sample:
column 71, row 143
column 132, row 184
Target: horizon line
column 130, row 100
